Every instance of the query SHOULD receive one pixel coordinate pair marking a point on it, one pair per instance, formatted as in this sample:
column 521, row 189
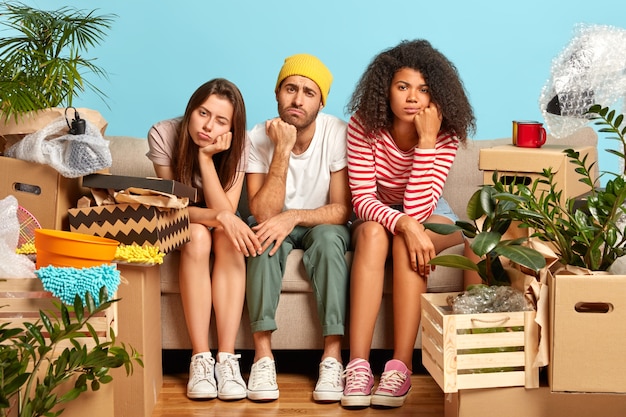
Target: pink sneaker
column 394, row 385
column 358, row 385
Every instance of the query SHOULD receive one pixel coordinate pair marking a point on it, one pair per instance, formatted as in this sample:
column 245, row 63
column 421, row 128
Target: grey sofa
column 298, row 327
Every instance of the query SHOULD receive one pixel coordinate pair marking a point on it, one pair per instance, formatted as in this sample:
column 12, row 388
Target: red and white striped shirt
column 382, row 175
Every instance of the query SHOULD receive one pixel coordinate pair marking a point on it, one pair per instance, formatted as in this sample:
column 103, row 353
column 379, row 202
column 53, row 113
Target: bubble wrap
column 12, row 265
column 72, row 156
column 494, row 299
column 590, row 70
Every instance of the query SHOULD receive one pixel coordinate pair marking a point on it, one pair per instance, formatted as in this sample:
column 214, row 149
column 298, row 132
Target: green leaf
column 474, row 208
column 46, row 321
column 442, row 228
column 522, row 255
column 485, row 242
column 34, row 331
column 486, row 200
column 78, row 309
column 65, row 316
column 91, row 305
column 454, row 261
column 70, row 395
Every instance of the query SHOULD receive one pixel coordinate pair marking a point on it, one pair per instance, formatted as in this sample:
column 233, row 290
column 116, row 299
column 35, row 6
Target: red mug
column 528, row 134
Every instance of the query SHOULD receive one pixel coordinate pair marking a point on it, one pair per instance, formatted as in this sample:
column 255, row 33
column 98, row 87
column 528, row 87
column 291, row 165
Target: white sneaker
column 201, row 383
column 230, row 384
column 329, row 387
column 262, row 384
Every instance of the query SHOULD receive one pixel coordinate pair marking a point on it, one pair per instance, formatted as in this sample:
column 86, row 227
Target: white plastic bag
column 71, row 155
column 12, row 265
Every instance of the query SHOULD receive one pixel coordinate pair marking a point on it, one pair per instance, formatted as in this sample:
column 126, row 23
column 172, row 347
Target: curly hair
column 370, row 100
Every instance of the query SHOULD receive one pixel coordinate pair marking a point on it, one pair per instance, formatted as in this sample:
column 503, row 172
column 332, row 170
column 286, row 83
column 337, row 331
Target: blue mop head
column 66, row 282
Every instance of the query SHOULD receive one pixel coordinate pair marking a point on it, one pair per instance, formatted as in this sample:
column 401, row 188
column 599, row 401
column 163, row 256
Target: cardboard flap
column 510, row 158
column 122, row 182
column 151, row 198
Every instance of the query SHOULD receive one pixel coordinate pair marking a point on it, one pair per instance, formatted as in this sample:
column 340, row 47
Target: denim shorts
column 442, row 209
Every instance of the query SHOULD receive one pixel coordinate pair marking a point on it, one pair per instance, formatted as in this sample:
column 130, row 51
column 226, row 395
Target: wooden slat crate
column 22, row 298
column 487, row 350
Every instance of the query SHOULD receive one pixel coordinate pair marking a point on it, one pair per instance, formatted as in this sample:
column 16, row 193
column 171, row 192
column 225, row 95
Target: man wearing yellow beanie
column 299, row 199
column 310, row 67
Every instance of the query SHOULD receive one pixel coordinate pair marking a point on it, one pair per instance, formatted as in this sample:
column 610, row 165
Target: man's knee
column 327, row 235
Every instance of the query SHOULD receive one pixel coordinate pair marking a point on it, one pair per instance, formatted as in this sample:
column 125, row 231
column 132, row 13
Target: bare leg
column 371, row 242
column 332, row 347
column 195, row 286
column 229, row 288
column 262, row 345
column 408, row 286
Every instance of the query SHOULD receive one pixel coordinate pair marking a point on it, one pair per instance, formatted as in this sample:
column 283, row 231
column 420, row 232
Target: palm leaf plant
column 43, row 57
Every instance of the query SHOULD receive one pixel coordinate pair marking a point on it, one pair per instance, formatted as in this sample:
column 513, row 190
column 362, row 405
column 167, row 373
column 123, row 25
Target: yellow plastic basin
column 70, row 249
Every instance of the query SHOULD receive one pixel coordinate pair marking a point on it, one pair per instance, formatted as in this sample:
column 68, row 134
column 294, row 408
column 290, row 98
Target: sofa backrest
column 129, row 158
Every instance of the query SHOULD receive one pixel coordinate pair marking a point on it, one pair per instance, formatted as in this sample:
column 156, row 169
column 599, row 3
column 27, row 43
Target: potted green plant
column 32, row 371
column 491, row 213
column 587, row 235
column 43, row 59
column 586, row 232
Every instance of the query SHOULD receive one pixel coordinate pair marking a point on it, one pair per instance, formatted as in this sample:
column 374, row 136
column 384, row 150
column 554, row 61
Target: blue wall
column 159, row 52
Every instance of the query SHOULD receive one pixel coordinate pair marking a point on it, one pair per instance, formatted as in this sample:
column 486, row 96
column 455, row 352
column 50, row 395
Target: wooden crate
column 20, row 301
column 22, row 298
column 487, row 350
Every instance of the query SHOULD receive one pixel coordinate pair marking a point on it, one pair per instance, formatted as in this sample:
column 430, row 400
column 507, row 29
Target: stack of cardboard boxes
column 586, row 375
column 52, row 199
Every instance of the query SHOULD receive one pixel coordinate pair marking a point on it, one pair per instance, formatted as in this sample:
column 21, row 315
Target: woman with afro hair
column 410, row 113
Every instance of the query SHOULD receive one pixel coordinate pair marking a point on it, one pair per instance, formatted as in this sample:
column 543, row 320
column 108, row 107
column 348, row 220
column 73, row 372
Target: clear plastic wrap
column 494, row 299
column 72, row 155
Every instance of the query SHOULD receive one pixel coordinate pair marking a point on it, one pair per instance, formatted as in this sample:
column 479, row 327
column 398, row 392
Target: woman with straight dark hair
column 208, row 148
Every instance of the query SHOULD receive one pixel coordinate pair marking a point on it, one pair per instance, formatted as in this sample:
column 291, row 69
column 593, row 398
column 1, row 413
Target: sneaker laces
column 263, row 372
column 330, row 373
column 201, row 368
column 229, row 367
column 391, row 380
column 357, row 377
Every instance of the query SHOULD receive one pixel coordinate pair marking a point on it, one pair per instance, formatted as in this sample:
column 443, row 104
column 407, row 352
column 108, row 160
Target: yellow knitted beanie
column 307, row 66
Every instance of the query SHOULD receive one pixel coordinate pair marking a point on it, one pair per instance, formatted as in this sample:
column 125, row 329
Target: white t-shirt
column 308, row 177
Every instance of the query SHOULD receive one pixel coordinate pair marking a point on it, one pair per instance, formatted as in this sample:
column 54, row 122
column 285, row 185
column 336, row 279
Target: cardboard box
column 22, row 298
column 12, row 130
column 541, row 402
column 121, row 182
column 463, row 351
column 139, row 310
column 587, row 337
column 133, row 223
column 525, row 165
column 41, row 190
